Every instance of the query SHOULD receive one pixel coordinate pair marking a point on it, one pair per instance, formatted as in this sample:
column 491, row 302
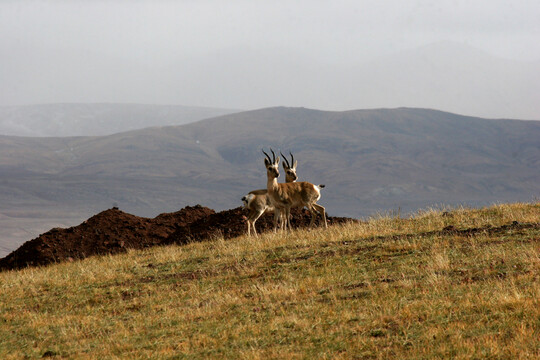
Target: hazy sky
column 194, row 52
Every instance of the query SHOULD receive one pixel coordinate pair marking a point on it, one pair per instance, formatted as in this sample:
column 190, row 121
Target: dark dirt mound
column 109, row 232
column 114, row 231
column 232, row 223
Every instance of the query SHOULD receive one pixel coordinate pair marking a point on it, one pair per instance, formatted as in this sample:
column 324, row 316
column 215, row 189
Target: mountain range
column 370, row 161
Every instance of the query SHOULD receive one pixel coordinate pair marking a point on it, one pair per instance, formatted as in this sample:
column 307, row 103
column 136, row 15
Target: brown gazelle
column 287, row 195
column 257, row 202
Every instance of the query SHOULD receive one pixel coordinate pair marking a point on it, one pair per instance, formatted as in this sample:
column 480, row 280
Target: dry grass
column 385, row 288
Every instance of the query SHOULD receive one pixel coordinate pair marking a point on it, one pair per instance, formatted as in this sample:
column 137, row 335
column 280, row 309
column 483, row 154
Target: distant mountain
column 96, row 119
column 370, row 161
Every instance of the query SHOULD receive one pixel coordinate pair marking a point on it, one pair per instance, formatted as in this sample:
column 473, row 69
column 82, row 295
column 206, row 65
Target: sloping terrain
column 453, row 284
column 113, row 231
column 370, row 160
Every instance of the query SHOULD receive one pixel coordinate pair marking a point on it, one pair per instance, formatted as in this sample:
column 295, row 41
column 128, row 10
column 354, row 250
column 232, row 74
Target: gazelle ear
column 284, row 165
column 266, row 162
column 277, row 161
column 295, row 163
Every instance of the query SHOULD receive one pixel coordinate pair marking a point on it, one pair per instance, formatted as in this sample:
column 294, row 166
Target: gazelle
column 287, row 195
column 257, row 202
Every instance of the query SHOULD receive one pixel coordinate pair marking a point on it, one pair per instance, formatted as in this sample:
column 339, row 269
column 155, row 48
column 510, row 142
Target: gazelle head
column 290, row 168
column 272, row 165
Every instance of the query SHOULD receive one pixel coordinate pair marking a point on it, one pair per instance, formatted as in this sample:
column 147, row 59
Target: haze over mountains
column 452, row 77
column 96, row 119
column 370, row 160
column 447, row 76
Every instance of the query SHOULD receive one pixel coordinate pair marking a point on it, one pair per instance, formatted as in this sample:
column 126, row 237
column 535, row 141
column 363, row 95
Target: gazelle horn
column 267, row 156
column 274, row 155
column 285, row 159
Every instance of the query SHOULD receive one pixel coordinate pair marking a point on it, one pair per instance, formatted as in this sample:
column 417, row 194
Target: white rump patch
column 248, row 199
column 318, row 190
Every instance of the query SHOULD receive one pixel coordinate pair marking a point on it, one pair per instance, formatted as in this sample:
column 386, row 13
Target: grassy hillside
column 444, row 284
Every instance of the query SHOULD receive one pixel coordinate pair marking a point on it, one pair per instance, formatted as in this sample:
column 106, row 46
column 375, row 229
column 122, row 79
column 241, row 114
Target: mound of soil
column 232, row 223
column 109, row 232
column 114, row 231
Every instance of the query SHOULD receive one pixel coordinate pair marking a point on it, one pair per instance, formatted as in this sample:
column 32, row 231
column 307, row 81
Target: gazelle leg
column 277, row 215
column 320, row 209
column 288, row 218
column 283, row 219
column 313, row 215
column 258, row 215
column 250, row 215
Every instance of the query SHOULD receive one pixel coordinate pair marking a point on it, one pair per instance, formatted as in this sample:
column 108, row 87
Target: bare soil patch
column 114, row 231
